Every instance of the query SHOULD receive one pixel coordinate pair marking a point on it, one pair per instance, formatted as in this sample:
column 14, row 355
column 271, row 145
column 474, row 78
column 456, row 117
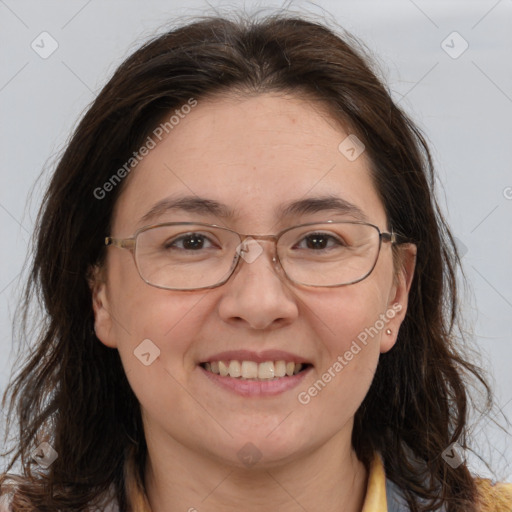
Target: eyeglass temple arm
column 389, row 237
column 123, row 243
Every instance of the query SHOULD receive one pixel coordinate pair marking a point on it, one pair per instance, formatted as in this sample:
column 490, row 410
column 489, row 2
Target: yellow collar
column 375, row 500
column 491, row 498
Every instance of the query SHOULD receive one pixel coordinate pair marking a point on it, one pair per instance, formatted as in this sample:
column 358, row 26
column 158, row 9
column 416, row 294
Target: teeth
column 267, row 370
column 280, row 368
column 223, row 369
column 235, row 369
column 249, row 369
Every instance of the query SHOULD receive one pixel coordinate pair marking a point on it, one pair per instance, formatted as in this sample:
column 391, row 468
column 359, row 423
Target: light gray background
column 464, row 105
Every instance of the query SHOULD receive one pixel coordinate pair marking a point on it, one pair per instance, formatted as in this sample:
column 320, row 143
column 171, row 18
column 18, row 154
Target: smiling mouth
column 251, row 370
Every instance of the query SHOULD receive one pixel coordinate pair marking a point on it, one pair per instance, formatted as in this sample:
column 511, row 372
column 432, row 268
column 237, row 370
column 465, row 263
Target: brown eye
column 320, row 241
column 189, row 242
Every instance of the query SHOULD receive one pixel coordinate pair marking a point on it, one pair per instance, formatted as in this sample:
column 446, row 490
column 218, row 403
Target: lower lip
column 257, row 388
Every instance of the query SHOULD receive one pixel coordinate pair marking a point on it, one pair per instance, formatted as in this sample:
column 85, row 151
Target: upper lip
column 258, row 357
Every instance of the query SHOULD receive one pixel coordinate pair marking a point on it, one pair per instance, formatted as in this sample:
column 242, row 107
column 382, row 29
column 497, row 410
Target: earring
column 389, row 331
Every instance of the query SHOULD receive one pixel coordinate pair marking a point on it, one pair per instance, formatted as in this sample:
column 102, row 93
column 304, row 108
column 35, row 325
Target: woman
column 250, row 290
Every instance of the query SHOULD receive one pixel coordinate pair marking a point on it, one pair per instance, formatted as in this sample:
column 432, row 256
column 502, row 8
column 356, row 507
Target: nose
column 258, row 293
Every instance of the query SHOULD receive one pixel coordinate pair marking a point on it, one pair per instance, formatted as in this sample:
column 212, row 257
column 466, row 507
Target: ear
column 399, row 296
column 101, row 307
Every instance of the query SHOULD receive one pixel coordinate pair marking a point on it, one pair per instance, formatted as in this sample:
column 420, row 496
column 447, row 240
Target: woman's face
column 254, row 156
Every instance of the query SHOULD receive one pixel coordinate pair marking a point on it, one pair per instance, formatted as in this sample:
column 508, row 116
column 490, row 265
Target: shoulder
column 494, row 498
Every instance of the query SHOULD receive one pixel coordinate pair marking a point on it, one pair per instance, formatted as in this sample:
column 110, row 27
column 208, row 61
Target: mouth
column 247, row 370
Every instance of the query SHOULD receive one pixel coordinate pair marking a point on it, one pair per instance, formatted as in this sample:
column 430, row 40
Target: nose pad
column 250, row 250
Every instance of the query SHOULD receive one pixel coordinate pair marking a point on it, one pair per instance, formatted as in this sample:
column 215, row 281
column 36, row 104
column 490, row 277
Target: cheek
column 171, row 322
column 349, row 323
column 156, row 349
column 141, row 311
column 343, row 316
column 154, row 330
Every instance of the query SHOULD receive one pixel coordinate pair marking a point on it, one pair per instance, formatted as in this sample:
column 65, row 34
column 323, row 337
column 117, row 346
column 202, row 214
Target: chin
column 259, row 450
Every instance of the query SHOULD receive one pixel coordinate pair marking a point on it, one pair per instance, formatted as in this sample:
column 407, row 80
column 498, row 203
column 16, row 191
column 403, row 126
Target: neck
column 329, row 478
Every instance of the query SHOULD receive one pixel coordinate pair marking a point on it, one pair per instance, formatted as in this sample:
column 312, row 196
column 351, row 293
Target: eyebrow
column 205, row 206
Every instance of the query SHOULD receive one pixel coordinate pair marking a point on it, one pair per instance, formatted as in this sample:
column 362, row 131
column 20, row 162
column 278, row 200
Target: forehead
column 253, row 154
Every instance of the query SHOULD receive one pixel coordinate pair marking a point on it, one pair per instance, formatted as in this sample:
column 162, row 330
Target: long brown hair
column 74, row 388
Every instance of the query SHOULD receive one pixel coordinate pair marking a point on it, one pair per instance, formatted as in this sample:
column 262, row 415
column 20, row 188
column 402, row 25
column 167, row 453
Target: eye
column 320, row 241
column 189, row 241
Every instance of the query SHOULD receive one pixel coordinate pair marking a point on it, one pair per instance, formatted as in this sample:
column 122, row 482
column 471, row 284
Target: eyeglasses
column 194, row 256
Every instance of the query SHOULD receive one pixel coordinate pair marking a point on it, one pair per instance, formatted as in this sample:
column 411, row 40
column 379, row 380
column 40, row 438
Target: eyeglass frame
column 130, row 243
